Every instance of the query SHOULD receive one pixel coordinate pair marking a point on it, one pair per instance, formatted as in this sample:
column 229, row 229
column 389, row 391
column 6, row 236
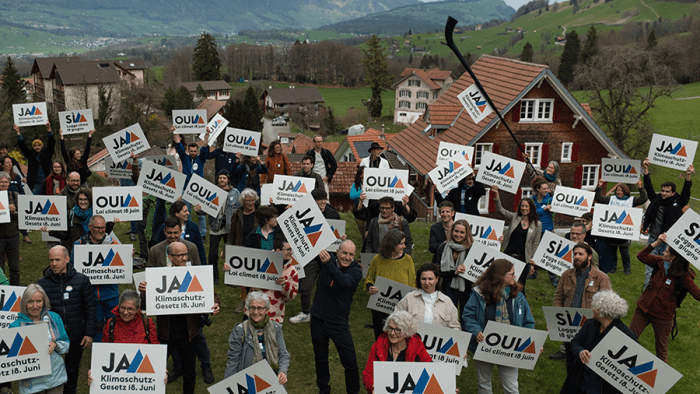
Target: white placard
column 202, row 192
column 684, row 237
column 500, row 171
column 251, row 267
column 138, row 278
column 4, row 207
column 307, row 231
column 125, row 142
column 672, row 152
column 565, row 323
column 572, row 202
column 298, row 268
column 475, row 103
column 484, row 229
column 190, row 121
column 124, row 367
column 366, row 261
column 267, row 192
column 179, row 290
column 447, row 174
column 76, row 122
column 554, row 253
column 481, row 256
column 114, row 237
column 30, row 114
column 389, row 294
column 445, row 345
column 244, row 141
column 616, row 222
column 168, row 161
column 216, row 126
column 119, row 170
column 104, row 264
column 378, row 183
column 620, row 170
column 448, row 150
column 290, row 189
column 338, row 227
column 122, row 202
column 512, row 346
column 10, row 297
column 390, row 377
column 45, row 237
column 629, row 367
column 258, row 378
column 161, row 182
column 26, row 352
column 40, row 211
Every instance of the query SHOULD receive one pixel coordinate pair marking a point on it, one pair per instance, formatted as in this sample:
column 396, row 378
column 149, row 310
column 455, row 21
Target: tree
column 329, row 123
column 623, row 84
column 527, row 53
column 251, row 106
column 651, row 40
column 177, row 99
column 569, row 58
column 105, row 107
column 590, row 48
column 206, row 64
column 377, row 75
column 12, row 92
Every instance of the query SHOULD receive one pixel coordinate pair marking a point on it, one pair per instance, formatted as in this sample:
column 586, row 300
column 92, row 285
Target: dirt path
column 649, row 7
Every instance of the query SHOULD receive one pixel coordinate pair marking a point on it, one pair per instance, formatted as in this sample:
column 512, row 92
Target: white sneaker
column 300, row 318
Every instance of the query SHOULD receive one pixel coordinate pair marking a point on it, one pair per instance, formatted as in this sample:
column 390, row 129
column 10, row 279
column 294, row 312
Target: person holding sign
column 307, row 171
column 277, row 163
column 9, row 233
column 657, row 304
column 550, row 174
column 38, row 159
column 429, row 304
column 193, row 163
column 439, row 232
column 324, row 162
column 387, row 220
column 375, row 159
column 190, row 229
column 220, row 225
column 399, row 342
column 450, row 258
column 543, row 206
column 246, row 174
column 34, row 309
column 55, row 182
column 256, row 339
column 465, row 197
column 498, row 297
column 76, row 159
column 129, row 325
column 608, row 309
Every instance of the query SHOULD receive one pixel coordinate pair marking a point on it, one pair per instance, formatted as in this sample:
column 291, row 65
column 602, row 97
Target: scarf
column 84, row 216
column 54, row 184
column 447, row 263
column 580, row 287
column 272, row 350
column 429, row 300
column 549, row 178
column 393, row 221
column 502, row 307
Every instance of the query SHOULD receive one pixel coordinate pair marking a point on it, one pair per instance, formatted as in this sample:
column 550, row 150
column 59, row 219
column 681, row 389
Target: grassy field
column 343, row 99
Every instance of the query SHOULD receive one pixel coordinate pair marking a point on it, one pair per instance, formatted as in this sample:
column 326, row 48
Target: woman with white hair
column 608, row 308
column 399, row 342
column 257, row 339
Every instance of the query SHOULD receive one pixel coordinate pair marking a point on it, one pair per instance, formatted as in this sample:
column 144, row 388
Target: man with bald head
column 72, row 297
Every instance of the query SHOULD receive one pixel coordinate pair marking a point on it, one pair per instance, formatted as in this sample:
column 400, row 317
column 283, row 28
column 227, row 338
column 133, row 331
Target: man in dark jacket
column 193, row 161
column 324, row 162
column 385, row 221
column 223, row 160
column 72, row 297
column 9, row 233
column 38, row 159
column 337, row 281
column 465, row 197
column 307, row 171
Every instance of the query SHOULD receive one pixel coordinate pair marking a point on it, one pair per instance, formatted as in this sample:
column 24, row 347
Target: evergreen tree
column 11, row 89
column 651, row 40
column 177, row 99
column 205, row 58
column 590, row 48
column 410, row 58
column 254, row 113
column 569, row 58
column 329, row 122
column 377, row 75
column 527, row 53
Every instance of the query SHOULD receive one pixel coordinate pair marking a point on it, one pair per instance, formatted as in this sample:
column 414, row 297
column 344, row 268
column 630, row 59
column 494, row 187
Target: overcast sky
column 513, row 3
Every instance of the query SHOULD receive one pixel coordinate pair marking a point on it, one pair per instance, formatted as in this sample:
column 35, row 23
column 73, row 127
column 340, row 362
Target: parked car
column 279, row 122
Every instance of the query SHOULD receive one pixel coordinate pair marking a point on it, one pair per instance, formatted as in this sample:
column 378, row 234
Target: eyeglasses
column 98, row 228
column 287, row 249
column 257, row 308
column 180, row 255
column 83, row 199
column 127, row 310
column 395, row 330
column 510, row 273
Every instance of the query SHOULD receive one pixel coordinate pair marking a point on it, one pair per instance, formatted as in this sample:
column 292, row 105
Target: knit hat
column 223, row 172
column 38, row 141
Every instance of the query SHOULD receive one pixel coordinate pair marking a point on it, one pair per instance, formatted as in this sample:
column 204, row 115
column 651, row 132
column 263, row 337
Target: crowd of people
column 79, row 313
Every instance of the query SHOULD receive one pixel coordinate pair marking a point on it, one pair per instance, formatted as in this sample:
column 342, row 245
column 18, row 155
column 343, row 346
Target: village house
column 278, row 102
column 212, row 107
column 131, row 70
column 76, row 85
column 216, row 90
column 43, row 84
column 416, row 89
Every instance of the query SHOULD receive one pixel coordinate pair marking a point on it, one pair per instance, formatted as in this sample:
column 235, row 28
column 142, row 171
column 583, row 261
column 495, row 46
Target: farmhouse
column 416, row 89
column 76, row 84
column 276, row 102
column 216, row 90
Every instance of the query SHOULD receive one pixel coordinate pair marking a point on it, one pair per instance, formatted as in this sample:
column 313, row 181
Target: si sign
column 684, row 237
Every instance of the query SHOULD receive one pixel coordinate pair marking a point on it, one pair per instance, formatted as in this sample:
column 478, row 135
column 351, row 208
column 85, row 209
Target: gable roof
column 294, row 96
column 207, row 85
column 212, row 106
column 44, row 65
column 131, row 64
column 86, row 72
column 429, row 76
column 359, row 144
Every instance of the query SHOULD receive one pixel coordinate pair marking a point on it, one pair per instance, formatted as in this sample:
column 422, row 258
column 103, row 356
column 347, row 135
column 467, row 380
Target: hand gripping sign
column 565, row 323
column 179, row 290
column 307, row 231
column 259, row 378
column 481, row 256
column 38, row 211
column 251, row 267
column 684, row 237
column 621, row 170
column 554, row 253
column 125, row 142
column 161, row 182
column 10, row 297
column 447, row 174
column 25, row 352
column 30, row 114
column 290, row 189
column 118, row 368
column 105, row 264
column 389, row 294
column 426, row 378
column 447, row 150
column 190, row 121
column 616, row 222
column 672, row 152
column 338, row 227
column 501, row 171
column 244, row 141
column 202, row 192
column 216, row 126
column 378, row 183
column 123, row 202
column 573, row 202
column 484, row 230
column 511, row 346
column 76, row 122
column 445, row 345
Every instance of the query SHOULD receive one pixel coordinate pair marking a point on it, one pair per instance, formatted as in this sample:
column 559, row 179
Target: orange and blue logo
column 335, row 232
column 679, row 150
column 113, row 260
column 427, row 384
column 624, row 218
column 78, row 118
column 126, row 165
column 645, row 373
column 12, row 303
column 49, row 209
column 565, row 254
column 507, row 171
column 190, row 284
column 168, row 180
column 164, row 162
column 631, row 170
column 453, row 166
column 396, row 183
column 21, row 346
column 130, row 202
column 255, row 384
column 450, row 347
column 131, row 137
column 313, row 232
column 250, row 142
column 489, row 234
column 299, row 187
column 526, row 347
column 578, row 320
column 214, row 199
column 268, row 268
column 140, row 364
column 35, row 111
column 581, row 202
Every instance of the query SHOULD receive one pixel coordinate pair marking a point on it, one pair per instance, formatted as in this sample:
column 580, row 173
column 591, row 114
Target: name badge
column 590, row 284
column 65, row 296
column 668, row 282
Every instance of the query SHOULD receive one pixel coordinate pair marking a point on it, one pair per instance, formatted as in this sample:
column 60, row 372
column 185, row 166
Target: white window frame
column 405, row 93
column 484, row 203
column 526, row 192
column 422, row 95
column 535, row 159
column 414, row 82
column 405, row 104
column 479, row 149
column 436, row 94
column 591, row 184
column 529, row 111
column 567, row 147
column 421, row 105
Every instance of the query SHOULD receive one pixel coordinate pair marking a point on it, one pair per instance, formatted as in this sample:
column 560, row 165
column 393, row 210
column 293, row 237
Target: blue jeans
column 658, row 251
column 321, row 332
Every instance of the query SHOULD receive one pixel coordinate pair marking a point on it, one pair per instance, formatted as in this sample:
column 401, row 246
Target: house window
column 212, row 94
column 405, row 104
column 405, row 93
column 402, row 114
column 421, row 105
column 535, row 153
column 526, row 193
column 414, row 82
column 422, row 95
column 479, row 150
column 589, row 180
column 539, row 110
column 566, row 149
column 436, row 95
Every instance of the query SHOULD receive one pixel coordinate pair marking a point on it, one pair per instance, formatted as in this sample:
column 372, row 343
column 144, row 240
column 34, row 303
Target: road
column 271, row 132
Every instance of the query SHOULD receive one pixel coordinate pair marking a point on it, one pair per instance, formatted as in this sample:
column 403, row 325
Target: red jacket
column 132, row 331
column 415, row 352
column 658, row 299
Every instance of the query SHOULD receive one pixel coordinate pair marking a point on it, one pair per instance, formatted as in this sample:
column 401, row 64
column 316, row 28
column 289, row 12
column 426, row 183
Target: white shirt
column 319, row 165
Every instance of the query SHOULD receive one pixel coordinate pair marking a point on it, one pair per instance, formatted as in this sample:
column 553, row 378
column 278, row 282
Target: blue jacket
column 335, row 289
column 191, row 234
column 474, row 315
column 546, row 217
column 223, row 160
column 189, row 165
column 239, row 177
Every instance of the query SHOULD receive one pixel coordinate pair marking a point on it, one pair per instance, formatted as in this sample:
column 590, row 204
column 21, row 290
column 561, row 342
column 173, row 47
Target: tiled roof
column 414, row 146
column 429, row 76
column 97, row 157
column 288, row 135
column 371, row 135
column 45, row 64
column 304, row 143
column 212, row 107
column 294, row 96
column 444, row 114
column 207, row 85
column 86, row 72
column 342, row 179
column 587, row 108
column 394, row 161
column 131, row 64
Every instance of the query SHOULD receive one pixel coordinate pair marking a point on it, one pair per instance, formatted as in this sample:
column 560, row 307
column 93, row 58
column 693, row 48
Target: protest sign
column 251, row 267
column 573, row 202
column 445, row 345
column 389, row 294
column 629, row 367
column 104, row 264
column 267, row 192
column 122, row 202
column 179, row 290
column 30, row 114
column 125, row 142
column 474, row 102
column 202, row 192
column 620, row 170
column 45, row 237
column 289, row 189
column 447, row 174
column 672, row 152
column 118, row 368
column 509, row 345
column 161, row 182
column 448, row 150
column 120, row 169
column 298, row 268
column 190, row 121
column 114, row 237
column 10, row 297
column 338, row 228
column 481, row 256
column 244, row 141
column 565, row 323
column 684, row 237
column 501, row 171
column 378, row 183
column 554, row 253
column 39, row 211
column 167, row 161
column 391, row 378
column 216, row 126
column 307, row 231
column 76, row 122
column 484, row 230
column 25, row 352
column 366, row 260
column 616, row 222
column 4, row 207
column 138, row 278
column 258, row 378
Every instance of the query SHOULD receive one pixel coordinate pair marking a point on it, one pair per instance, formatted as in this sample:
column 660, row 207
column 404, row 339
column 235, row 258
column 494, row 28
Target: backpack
column 113, row 321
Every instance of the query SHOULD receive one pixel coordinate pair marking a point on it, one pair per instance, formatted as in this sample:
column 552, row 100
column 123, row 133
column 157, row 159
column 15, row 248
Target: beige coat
column 534, row 232
column 444, row 312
